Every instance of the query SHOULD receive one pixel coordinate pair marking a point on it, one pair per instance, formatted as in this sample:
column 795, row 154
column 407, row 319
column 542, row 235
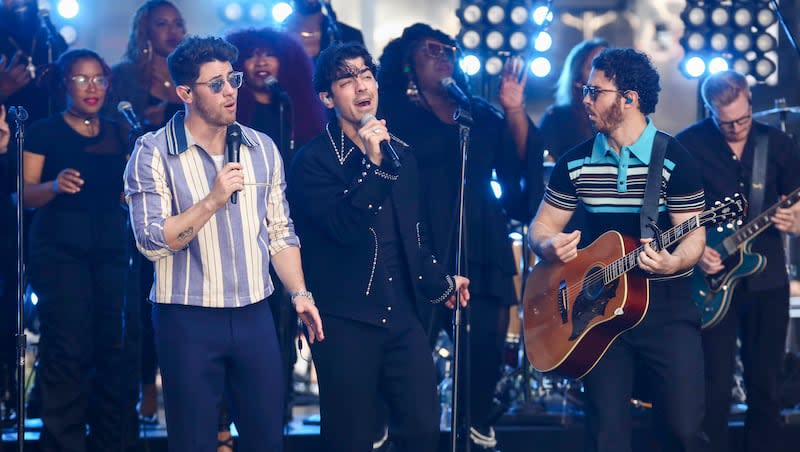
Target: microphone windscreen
column 367, row 118
column 123, row 106
column 271, row 82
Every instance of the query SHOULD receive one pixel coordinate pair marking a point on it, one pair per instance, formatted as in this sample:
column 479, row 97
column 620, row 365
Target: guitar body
column 713, row 293
column 571, row 317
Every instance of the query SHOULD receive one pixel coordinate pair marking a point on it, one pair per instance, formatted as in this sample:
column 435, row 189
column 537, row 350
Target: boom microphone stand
column 464, row 120
column 20, row 115
column 334, row 33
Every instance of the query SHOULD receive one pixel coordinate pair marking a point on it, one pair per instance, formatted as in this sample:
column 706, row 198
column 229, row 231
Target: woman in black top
column 73, row 165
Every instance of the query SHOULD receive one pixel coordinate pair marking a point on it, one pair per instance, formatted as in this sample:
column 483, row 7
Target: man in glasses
column 608, row 174
column 213, row 328
column 366, row 252
column 727, row 146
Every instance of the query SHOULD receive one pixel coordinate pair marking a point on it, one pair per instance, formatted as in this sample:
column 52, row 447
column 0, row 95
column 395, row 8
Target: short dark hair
column 331, row 64
column 722, row 88
column 184, row 62
column 631, row 70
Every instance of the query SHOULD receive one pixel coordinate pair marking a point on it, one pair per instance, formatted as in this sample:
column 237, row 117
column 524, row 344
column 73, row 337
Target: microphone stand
column 334, row 33
column 461, row 317
column 20, row 115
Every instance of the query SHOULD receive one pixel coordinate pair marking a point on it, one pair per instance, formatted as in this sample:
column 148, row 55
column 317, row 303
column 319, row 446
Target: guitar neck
column 755, row 227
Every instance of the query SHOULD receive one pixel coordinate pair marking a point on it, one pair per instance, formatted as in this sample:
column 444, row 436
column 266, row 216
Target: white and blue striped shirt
column 227, row 263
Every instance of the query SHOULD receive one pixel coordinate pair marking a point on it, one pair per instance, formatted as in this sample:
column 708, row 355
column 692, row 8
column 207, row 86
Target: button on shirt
column 392, row 266
column 227, row 263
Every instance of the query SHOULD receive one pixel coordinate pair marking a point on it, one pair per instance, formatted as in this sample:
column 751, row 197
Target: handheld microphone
column 386, row 147
column 126, row 110
column 272, row 85
column 233, row 139
column 451, row 87
column 17, row 114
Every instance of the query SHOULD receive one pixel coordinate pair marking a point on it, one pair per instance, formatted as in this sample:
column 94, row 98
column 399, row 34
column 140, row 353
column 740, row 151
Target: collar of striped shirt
column 641, row 149
column 179, row 139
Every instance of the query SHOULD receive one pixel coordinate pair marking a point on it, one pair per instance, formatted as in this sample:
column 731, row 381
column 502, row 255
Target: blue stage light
column 694, row 67
column 470, row 64
column 541, row 67
column 281, row 11
column 717, row 64
column 68, row 9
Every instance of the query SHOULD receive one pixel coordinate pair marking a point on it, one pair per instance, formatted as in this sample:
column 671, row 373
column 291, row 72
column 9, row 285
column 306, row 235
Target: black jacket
column 334, row 206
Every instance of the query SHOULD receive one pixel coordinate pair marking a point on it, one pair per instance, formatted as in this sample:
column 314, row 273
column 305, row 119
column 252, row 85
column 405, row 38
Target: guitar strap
column 652, row 189
column 758, row 179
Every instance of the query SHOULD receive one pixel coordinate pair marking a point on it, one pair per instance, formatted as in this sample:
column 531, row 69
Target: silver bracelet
column 302, row 293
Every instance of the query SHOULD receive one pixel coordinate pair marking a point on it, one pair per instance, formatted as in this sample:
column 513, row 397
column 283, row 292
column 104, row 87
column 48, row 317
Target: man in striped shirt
column 213, row 330
column 608, row 174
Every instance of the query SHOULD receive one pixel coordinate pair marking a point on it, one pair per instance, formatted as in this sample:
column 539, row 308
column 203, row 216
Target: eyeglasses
column 736, row 122
column 82, row 81
column 438, row 51
column 216, row 85
column 594, row 92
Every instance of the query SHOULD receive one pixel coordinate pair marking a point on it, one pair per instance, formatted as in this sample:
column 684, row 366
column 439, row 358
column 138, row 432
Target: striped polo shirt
column 611, row 185
column 227, row 263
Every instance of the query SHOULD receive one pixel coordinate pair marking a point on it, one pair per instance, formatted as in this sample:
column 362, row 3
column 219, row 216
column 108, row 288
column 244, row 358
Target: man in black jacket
column 358, row 217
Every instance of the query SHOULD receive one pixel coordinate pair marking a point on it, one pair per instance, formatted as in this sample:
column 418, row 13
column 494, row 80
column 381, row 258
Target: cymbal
column 775, row 111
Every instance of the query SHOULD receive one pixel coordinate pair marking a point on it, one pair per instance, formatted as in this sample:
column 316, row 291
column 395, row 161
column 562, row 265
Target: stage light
column 741, row 65
column 68, row 9
column 719, row 41
column 694, row 67
column 518, row 40
column 471, row 14
column 541, row 15
column 541, row 67
column 494, row 65
column 471, row 39
column 766, row 43
column 69, row 33
column 765, row 17
column 763, row 68
column 233, row 12
column 695, row 16
column 695, row 41
column 470, row 64
column 720, row 16
column 496, row 189
column 518, row 15
column 258, row 12
column 281, row 11
column 743, row 17
column 495, row 40
column 543, row 42
column 495, row 14
column 742, row 42
column 717, row 64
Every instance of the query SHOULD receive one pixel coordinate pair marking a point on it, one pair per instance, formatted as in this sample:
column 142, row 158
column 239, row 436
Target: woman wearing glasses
column 419, row 110
column 73, row 165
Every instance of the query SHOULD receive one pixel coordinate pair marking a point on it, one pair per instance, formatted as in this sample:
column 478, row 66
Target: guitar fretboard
column 755, row 227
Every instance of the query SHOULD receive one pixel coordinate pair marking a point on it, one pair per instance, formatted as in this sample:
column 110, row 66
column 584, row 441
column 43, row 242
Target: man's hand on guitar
column 657, row 262
column 710, row 262
column 787, row 220
column 561, row 247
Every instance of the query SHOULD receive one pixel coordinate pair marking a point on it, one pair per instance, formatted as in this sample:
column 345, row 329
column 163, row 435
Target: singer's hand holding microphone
column 230, row 178
column 375, row 136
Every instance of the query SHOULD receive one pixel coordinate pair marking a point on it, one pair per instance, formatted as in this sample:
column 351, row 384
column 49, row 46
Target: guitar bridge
column 562, row 301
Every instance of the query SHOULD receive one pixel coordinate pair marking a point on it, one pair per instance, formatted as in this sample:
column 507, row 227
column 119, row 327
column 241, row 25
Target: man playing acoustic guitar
column 608, row 175
column 727, row 145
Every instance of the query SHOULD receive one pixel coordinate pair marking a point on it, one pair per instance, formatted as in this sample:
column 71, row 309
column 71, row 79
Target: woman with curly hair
column 421, row 112
column 78, row 262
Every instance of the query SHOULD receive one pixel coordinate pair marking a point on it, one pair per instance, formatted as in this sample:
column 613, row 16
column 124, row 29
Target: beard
column 215, row 115
column 307, row 7
column 608, row 121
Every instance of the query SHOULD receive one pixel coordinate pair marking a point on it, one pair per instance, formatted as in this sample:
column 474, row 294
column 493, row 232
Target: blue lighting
column 68, row 9
column 470, row 64
column 695, row 66
column 541, row 67
column 717, row 64
column 281, row 11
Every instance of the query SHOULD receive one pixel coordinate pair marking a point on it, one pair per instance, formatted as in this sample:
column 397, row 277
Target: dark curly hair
column 294, row 75
column 331, row 67
column 631, row 70
column 184, row 62
column 136, row 50
column 397, row 64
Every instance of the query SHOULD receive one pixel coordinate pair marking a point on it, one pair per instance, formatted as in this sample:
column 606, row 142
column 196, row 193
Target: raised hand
column 13, row 76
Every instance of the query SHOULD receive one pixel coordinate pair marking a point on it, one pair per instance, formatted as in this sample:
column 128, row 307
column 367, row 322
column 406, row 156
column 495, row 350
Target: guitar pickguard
column 591, row 301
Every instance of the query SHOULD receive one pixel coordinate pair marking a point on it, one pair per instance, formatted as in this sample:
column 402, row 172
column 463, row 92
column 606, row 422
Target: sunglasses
column 594, row 92
column 218, row 84
column 82, row 81
column 436, row 50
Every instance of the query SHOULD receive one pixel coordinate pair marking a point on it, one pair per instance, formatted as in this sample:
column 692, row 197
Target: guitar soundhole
column 591, row 301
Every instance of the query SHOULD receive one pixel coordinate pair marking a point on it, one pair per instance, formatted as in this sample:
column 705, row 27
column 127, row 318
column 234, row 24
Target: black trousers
column 761, row 319
column 666, row 346
column 78, row 266
column 359, row 364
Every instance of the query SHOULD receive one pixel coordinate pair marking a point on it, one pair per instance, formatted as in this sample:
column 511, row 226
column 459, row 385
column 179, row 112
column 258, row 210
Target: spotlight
column 68, row 9
column 470, row 64
column 541, row 67
column 742, row 42
column 233, row 12
column 695, row 16
column 281, row 11
column 69, row 33
column 258, row 12
column 763, row 68
column 717, row 64
column 541, row 15
column 470, row 39
column 719, row 41
column 495, row 14
column 695, row 41
column 518, row 40
column 543, row 42
column 765, row 18
column 494, row 65
column 470, row 14
column 519, row 15
column 694, row 67
column 720, row 16
column 742, row 66
column 495, row 40
column 743, row 17
column 766, row 43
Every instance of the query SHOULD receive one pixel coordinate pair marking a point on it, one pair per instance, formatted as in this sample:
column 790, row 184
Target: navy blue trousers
column 204, row 352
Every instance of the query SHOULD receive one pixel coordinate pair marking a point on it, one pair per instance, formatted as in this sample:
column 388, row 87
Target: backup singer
column 366, row 253
column 213, row 330
column 72, row 167
column 608, row 174
column 725, row 145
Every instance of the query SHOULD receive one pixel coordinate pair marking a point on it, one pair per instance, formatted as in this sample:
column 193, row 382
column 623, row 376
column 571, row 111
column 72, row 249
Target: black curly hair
column 184, row 62
column 397, row 64
column 631, row 70
column 331, row 63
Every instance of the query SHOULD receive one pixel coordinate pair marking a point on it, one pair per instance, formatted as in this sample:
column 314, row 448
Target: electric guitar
column 573, row 311
column 713, row 293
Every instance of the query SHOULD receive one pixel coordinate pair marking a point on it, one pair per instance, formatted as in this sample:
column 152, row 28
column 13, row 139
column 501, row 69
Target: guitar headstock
column 726, row 212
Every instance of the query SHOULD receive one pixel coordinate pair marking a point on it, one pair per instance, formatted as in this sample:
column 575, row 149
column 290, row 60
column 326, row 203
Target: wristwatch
column 301, row 293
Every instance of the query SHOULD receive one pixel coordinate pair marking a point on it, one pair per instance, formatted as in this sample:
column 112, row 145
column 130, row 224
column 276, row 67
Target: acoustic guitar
column 713, row 293
column 573, row 311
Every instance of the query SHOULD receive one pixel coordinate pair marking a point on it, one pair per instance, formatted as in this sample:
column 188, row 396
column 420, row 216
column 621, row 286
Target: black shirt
column 724, row 175
column 563, row 127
